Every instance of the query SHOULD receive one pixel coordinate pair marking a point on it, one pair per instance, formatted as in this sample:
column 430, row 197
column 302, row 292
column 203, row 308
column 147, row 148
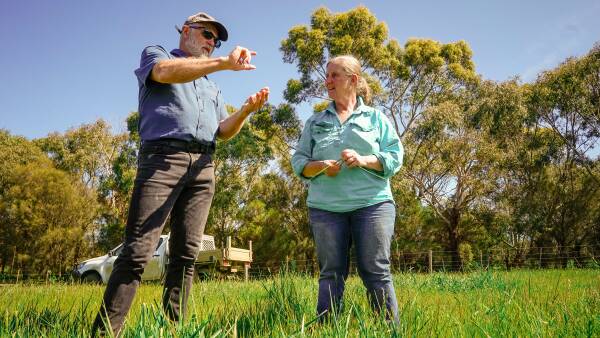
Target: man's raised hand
column 256, row 100
column 239, row 59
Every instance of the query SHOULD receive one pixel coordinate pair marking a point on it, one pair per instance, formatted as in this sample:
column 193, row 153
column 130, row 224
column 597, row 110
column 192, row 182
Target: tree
column 240, row 165
column 15, row 151
column 567, row 99
column 454, row 168
column 277, row 213
column 106, row 165
column 48, row 213
column 88, row 151
column 403, row 80
column 116, row 189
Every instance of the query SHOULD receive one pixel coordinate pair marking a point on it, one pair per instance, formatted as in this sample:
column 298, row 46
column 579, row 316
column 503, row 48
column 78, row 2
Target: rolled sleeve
column 303, row 153
column 391, row 150
column 150, row 56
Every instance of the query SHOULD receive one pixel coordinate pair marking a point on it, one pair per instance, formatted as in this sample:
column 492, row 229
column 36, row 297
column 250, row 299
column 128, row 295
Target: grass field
column 548, row 303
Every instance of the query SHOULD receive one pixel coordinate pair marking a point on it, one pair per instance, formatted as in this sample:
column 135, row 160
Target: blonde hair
column 351, row 66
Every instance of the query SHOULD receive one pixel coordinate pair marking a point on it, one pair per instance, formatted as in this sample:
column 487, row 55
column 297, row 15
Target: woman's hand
column 333, row 167
column 314, row 168
column 352, row 159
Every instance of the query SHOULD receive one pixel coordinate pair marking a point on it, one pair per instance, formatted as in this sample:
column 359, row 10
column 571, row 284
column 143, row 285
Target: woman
column 348, row 153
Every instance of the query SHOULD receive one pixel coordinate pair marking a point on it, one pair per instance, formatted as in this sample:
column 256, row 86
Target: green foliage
column 14, row 151
column 292, row 91
column 115, row 189
column 321, row 106
column 87, row 151
column 403, row 80
column 44, row 212
column 466, row 254
column 546, row 131
column 47, row 213
column 106, row 164
column 452, row 165
column 273, row 222
column 567, row 99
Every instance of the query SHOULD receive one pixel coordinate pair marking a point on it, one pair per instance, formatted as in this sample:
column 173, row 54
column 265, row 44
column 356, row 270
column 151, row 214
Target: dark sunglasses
column 208, row 35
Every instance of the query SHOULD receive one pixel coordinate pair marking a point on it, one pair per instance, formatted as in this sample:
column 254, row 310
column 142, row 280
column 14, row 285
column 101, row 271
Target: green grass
column 518, row 303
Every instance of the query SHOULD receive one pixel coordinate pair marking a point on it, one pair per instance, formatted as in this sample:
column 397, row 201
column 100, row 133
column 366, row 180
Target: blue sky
column 65, row 63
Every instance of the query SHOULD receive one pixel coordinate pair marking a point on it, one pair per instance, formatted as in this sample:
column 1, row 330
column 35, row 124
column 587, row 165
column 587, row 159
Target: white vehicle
column 210, row 262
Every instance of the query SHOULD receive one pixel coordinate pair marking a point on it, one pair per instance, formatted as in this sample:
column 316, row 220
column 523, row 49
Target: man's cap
column 203, row 17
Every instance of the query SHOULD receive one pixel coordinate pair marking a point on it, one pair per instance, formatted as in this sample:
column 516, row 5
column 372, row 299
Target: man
column 181, row 115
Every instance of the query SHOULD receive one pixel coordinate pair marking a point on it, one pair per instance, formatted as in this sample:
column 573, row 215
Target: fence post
column 12, row 266
column 18, row 273
column 403, row 261
column 397, row 256
column 480, row 259
column 541, row 257
column 430, row 261
column 250, row 249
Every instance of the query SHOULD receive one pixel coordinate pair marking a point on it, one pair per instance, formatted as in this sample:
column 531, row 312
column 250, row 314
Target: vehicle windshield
column 116, row 251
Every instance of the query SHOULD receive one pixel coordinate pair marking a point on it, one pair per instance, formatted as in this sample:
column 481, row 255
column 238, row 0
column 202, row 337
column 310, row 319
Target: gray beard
column 195, row 49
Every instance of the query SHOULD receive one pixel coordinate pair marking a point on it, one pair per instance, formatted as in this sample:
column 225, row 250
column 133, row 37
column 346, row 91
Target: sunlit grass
column 517, row 303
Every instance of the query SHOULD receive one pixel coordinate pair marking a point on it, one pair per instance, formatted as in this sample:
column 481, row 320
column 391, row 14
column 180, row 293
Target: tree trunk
column 453, row 240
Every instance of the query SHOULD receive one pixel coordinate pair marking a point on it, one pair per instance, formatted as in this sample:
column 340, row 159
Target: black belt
column 198, row 147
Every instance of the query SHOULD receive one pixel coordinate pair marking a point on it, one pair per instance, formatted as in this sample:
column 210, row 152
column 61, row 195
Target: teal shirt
column 369, row 132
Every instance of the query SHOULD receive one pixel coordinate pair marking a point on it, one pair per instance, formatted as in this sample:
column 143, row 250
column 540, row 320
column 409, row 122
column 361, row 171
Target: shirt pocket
column 323, row 134
column 207, row 94
column 363, row 136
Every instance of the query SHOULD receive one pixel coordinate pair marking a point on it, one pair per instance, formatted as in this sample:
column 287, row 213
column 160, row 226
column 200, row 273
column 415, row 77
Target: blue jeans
column 370, row 229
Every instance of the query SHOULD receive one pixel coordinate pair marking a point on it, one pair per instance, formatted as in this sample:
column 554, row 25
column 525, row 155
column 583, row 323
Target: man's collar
column 178, row 53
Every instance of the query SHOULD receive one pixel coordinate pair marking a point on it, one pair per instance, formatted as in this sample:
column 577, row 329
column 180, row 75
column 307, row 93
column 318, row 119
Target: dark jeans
column 171, row 182
column 370, row 229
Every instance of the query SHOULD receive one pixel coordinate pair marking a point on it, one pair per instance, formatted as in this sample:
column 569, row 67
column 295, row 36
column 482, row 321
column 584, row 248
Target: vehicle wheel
column 91, row 277
column 203, row 276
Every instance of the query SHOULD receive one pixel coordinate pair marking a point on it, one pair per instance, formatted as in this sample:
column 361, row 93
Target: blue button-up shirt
column 369, row 132
column 187, row 111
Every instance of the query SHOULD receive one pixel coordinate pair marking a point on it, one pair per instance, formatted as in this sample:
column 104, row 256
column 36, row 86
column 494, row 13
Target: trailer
column 225, row 262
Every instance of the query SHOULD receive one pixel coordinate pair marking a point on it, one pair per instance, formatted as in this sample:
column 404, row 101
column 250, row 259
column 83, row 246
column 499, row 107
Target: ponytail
column 363, row 90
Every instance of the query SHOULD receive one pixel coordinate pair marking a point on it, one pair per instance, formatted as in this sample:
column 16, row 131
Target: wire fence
column 401, row 261
column 448, row 261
